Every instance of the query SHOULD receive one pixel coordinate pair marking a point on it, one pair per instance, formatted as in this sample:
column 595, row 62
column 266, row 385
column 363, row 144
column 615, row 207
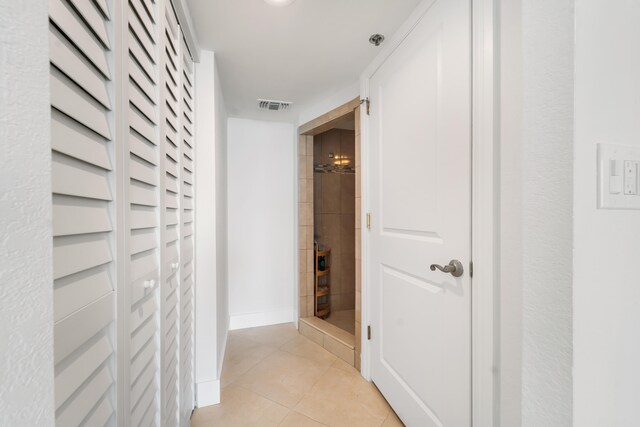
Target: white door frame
column 485, row 152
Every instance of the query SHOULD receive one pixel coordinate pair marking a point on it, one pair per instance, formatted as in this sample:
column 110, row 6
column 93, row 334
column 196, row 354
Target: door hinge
column 368, row 220
column 369, row 332
column 471, row 269
column 367, row 103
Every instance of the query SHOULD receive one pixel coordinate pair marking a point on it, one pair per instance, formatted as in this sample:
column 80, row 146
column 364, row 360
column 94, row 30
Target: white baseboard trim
column 253, row 320
column 208, row 393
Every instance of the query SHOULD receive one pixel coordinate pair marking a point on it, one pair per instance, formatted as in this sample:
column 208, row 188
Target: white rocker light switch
column 618, row 177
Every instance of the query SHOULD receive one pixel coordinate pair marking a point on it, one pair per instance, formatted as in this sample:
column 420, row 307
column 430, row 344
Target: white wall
column 330, row 101
column 221, row 170
column 26, row 290
column 547, row 219
column 210, row 225
column 261, row 222
column 607, row 242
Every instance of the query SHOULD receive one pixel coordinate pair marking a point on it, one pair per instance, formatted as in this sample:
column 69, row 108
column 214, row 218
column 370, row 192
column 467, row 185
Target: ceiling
column 295, row 53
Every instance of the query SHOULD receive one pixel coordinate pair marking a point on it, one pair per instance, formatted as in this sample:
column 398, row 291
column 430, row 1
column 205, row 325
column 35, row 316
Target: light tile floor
column 344, row 319
column 273, row 376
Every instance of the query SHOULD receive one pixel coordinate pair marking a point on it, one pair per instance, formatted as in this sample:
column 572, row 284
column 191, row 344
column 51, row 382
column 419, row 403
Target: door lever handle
column 454, row 267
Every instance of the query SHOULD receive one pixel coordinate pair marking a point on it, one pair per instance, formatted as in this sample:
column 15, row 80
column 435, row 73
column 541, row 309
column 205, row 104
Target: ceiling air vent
column 271, row 105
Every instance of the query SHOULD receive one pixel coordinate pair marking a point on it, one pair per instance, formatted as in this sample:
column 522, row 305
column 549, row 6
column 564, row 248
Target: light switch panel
column 618, row 177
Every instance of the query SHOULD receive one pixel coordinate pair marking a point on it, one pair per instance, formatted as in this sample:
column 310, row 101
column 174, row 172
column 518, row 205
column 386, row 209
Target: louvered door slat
column 73, row 254
column 93, row 18
column 75, row 331
column 139, row 76
column 101, row 415
column 71, row 138
column 71, row 293
column 138, row 55
column 144, row 194
column 77, row 104
column 81, row 407
column 186, row 245
column 170, row 85
column 77, row 215
column 141, row 35
column 104, row 8
column 143, row 104
column 72, row 177
column 77, row 68
column 146, row 18
column 62, row 15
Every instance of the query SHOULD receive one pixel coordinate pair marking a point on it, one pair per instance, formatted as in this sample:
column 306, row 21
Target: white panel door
column 170, row 76
column 186, row 247
column 82, row 139
column 142, row 142
column 420, row 198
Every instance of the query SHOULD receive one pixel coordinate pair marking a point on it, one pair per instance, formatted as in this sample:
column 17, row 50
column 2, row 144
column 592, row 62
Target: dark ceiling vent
column 271, row 105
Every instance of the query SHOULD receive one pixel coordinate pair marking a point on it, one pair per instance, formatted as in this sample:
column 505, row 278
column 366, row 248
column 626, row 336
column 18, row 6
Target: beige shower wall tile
column 330, row 193
column 310, row 261
column 309, row 212
column 310, row 305
column 310, row 237
column 303, row 306
column 317, row 148
column 302, row 145
column 302, row 167
column 336, row 301
column 347, row 194
column 302, row 191
column 348, row 300
column 310, row 145
column 302, row 237
column 330, row 145
column 348, row 279
column 309, row 166
column 339, row 349
column 347, row 233
column 302, row 260
column 331, row 233
column 305, row 214
column 347, row 143
column 309, row 185
column 302, row 284
column 310, row 283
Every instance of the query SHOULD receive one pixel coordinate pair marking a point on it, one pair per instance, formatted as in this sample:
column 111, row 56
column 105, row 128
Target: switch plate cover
column 618, row 177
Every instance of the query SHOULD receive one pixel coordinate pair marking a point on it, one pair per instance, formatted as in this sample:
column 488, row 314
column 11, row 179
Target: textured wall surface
column 26, row 290
column 547, row 204
column 607, row 242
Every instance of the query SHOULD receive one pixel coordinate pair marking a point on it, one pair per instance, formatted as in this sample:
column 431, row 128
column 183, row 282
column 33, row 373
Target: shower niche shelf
column 322, row 282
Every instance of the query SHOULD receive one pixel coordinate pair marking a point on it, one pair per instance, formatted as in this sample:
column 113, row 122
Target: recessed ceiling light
column 279, row 2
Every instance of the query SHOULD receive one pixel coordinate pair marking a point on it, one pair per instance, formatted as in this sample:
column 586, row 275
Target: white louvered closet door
column 143, row 219
column 83, row 154
column 186, row 283
column 170, row 142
